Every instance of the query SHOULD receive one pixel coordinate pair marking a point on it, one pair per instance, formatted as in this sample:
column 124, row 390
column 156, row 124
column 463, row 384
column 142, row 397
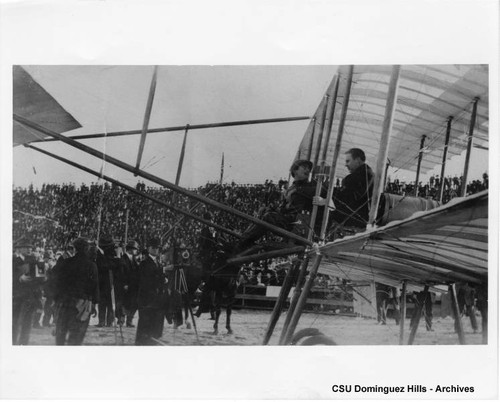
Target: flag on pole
column 222, row 169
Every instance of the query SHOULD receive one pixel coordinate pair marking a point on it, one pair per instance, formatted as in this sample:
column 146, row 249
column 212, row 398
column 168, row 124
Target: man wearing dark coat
column 131, row 281
column 76, row 293
column 26, row 292
column 108, row 266
column 297, row 201
column 151, row 297
column 352, row 202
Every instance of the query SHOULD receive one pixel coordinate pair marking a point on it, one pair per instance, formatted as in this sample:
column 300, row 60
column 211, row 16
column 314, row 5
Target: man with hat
column 108, row 265
column 298, row 199
column 26, row 292
column 131, row 280
column 76, row 293
column 151, row 296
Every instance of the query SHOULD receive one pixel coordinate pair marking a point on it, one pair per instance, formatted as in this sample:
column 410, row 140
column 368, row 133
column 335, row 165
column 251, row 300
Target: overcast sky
column 113, row 98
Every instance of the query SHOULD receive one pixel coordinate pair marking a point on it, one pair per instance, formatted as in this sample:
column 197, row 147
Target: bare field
column 249, row 327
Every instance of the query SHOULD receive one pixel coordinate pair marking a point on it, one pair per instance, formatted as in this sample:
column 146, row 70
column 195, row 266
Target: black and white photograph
column 334, row 213
column 231, row 250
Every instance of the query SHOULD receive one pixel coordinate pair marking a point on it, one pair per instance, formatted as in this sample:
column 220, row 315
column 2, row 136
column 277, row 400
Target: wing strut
column 378, row 184
column 147, row 115
column 469, row 146
column 445, row 154
column 181, row 128
column 419, row 163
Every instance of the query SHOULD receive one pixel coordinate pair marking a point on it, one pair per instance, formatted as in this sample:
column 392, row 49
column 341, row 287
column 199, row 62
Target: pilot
column 298, row 199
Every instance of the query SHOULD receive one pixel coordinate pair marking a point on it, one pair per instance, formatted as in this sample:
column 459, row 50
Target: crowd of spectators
column 56, row 214
column 452, row 187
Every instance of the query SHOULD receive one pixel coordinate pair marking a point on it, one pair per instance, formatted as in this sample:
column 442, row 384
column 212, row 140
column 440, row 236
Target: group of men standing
column 91, row 281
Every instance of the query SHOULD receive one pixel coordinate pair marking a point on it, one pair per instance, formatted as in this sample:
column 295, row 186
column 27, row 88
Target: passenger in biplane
column 352, row 203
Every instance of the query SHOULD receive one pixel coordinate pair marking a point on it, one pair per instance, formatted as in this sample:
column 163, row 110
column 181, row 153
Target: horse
column 220, row 289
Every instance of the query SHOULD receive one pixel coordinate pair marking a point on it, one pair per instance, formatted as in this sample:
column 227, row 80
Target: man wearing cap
column 151, row 297
column 76, row 293
column 298, row 199
column 26, row 292
column 131, row 284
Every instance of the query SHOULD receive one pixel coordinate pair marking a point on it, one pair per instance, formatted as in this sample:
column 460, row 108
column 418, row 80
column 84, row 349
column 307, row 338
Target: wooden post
column 420, row 154
column 147, row 115
column 469, row 147
column 311, row 140
column 284, row 291
column 295, row 298
column 336, row 152
column 403, row 314
column 458, row 320
column 302, row 300
column 162, row 182
column 445, row 154
column 378, row 184
column 137, row 192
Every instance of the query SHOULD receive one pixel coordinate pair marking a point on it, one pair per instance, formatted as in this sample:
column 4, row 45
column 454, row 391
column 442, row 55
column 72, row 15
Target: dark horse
column 220, row 289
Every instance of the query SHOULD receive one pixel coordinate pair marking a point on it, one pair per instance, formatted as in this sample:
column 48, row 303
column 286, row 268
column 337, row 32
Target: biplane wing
column 445, row 245
column 427, row 97
column 33, row 102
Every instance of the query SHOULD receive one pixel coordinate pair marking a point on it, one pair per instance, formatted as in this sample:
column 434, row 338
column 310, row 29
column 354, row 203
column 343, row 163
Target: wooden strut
column 321, row 132
column 403, row 314
column 418, row 315
column 303, row 299
column 378, row 183
column 140, row 193
column 470, row 137
column 311, row 140
column 181, row 157
column 456, row 312
column 319, row 175
column 338, row 143
column 445, row 154
column 165, row 183
column 295, row 298
column 147, row 116
column 181, row 128
column 419, row 163
column 280, row 302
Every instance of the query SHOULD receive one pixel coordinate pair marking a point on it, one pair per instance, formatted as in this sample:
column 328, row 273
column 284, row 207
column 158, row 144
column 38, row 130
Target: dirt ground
column 249, row 327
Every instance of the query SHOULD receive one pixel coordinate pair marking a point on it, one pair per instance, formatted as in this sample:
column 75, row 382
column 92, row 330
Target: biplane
column 405, row 117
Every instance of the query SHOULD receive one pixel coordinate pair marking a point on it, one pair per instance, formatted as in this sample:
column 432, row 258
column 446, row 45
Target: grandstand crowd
column 56, row 214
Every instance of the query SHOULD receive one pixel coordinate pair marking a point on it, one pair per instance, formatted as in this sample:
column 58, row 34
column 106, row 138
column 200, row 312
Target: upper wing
column 36, row 104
